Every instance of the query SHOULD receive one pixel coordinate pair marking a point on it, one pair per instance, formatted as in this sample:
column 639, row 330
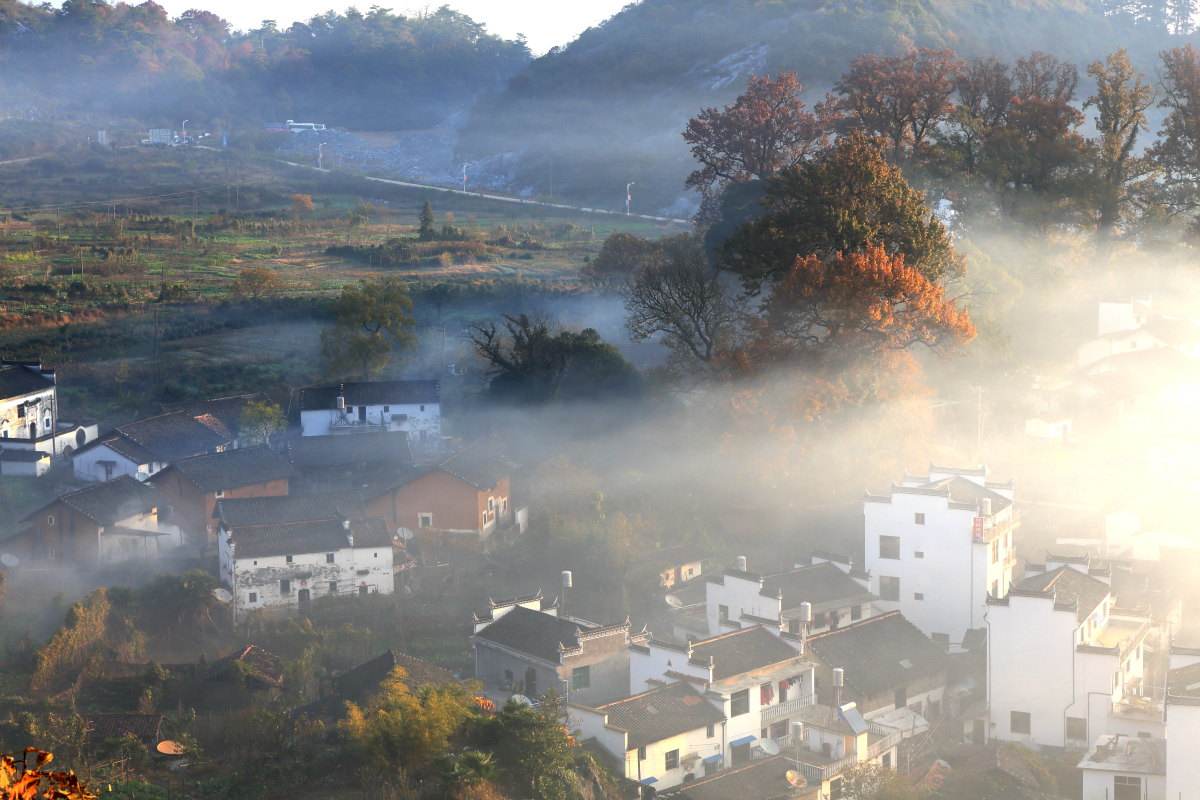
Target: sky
column 545, row 23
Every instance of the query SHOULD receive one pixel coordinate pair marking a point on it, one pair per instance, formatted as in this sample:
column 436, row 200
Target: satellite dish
column 222, row 595
column 674, row 602
column 794, row 778
column 9, row 560
column 521, row 699
column 769, row 747
column 169, row 748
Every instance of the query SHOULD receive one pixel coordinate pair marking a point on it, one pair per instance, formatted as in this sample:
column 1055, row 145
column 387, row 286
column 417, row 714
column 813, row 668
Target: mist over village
column 736, row 400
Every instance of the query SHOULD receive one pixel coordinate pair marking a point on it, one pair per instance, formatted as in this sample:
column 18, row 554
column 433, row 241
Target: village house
column 193, row 486
column 938, row 546
column 523, row 646
column 31, row 431
column 143, row 448
column 676, row 565
column 759, row 681
column 337, row 463
column 116, row 521
column 1182, row 721
column 836, row 595
column 413, row 407
column 361, row 683
column 279, row 568
column 1067, row 664
column 662, row 737
column 1124, row 768
column 828, row 740
column 235, row 513
column 895, row 674
column 776, row 778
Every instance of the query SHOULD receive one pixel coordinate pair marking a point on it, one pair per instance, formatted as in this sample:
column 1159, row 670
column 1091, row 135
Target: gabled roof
column 110, row 502
column 481, row 469
column 359, row 684
column 309, row 537
column 741, row 651
column 1068, row 586
column 371, row 393
column 846, row 720
column 146, row 727
column 879, row 653
column 1183, row 685
column 350, row 450
column 661, row 713
column 233, row 468
column 968, row 492
column 176, row 435
column 248, row 512
column 260, row 665
column 759, row 780
column 824, row 585
column 527, row 631
column 21, row 379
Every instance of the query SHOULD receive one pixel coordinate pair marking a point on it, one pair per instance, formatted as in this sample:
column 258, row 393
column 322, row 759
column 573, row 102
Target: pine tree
column 427, row 232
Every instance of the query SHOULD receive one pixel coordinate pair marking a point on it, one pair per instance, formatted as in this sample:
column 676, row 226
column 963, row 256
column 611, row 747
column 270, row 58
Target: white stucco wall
column 1183, row 767
column 741, row 596
column 423, row 420
column 1099, row 785
column 87, row 467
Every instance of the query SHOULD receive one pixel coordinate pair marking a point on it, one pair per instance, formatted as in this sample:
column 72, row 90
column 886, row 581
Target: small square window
column 425, row 520
column 329, row 558
column 710, row 731
column 889, row 547
column 333, row 587
column 672, row 760
column 919, row 518
column 285, row 586
column 889, row 588
column 855, row 613
column 1019, row 722
column 219, row 493
column 919, row 554
column 581, row 678
column 918, row 595
column 374, row 555
column 739, row 703
column 254, row 597
column 50, row 520
column 289, row 559
column 255, row 562
column 422, row 408
column 387, row 409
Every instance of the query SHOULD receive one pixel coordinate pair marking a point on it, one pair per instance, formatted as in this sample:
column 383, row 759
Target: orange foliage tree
column 19, row 780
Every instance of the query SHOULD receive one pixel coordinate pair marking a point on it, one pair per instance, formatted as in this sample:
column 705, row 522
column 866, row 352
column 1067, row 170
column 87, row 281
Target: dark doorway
column 304, row 596
column 362, row 413
column 531, row 683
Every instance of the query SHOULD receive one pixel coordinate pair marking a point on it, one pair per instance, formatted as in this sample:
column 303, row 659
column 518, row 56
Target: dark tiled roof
column 1183, row 684
column 247, row 512
column 110, row 502
column 532, row 632
column 661, row 713
column 360, row 683
column 1069, row 586
column 848, row 722
column 170, row 437
column 373, row 393
column 146, row 727
column 482, row 470
column 19, row 379
column 969, row 492
column 308, row 537
column 234, row 468
column 823, row 585
column 758, row 780
column 741, row 651
column 122, row 446
column 350, row 450
column 260, row 665
column 880, row 653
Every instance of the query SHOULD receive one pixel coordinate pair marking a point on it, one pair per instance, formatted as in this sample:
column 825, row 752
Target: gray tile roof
column 110, row 502
column 532, row 632
column 482, row 470
column 371, row 393
column 759, row 780
column 661, row 713
column 308, row 537
column 880, row 653
column 350, row 450
column 1069, row 586
column 233, row 468
column 741, row 651
column 245, row 512
column 20, row 379
column 824, row 585
column 179, row 434
column 962, row 490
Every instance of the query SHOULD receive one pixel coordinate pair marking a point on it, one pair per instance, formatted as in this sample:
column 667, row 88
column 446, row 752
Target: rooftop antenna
column 629, row 197
column 568, row 582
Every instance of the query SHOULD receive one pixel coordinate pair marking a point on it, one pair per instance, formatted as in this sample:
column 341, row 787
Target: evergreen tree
column 427, row 232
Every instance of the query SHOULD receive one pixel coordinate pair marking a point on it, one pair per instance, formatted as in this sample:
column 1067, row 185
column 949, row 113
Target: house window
column 50, row 520
column 508, row 679
column 581, row 678
column 723, row 613
column 886, row 763
column 672, row 760
column 1127, row 787
column 855, row 613
column 285, row 586
column 254, row 597
column 919, row 518
column 374, row 555
column 425, row 520
column 329, row 558
column 739, row 703
column 766, row 693
column 889, row 588
column 491, row 504
column 710, row 731
column 642, row 753
column 333, row 587
column 1077, row 729
column 422, row 408
column 1019, row 722
column 289, row 559
column 387, row 409
column 219, row 494
column 919, row 554
column 889, row 547
column 918, row 595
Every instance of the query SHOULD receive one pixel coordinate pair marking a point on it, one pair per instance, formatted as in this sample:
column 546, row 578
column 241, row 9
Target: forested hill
column 608, row 108
column 376, row 70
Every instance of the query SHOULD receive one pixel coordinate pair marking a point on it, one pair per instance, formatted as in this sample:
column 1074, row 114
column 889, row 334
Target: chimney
column 839, row 682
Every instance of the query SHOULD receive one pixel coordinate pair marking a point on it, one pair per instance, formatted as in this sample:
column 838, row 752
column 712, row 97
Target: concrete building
column 522, row 646
column 834, row 739
column 938, row 546
column 371, row 407
column 1125, row 768
column 1066, row 664
column 1182, row 733
column 758, row 680
column 284, row 567
column 145, row 447
column 29, row 420
column 662, row 737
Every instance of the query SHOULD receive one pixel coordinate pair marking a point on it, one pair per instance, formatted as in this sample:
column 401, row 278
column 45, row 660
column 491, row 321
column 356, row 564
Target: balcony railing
column 816, row 769
column 783, row 710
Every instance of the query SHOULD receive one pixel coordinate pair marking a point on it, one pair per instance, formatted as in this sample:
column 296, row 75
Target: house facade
column 522, row 646
column 662, row 737
column 1124, row 768
column 938, row 546
column 410, row 406
column 834, row 739
column 284, row 568
column 1182, row 720
column 143, row 448
column 1066, row 664
column 29, row 419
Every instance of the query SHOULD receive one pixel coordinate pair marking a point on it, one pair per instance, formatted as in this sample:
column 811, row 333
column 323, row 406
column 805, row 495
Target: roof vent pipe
column 741, row 564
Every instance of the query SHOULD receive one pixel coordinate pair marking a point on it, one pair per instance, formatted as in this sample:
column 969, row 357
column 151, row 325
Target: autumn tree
column 1043, row 122
column 621, row 255
column 261, row 421
column 1177, row 152
column 302, row 205
column 372, row 319
column 678, row 296
column 26, row 777
column 1121, row 100
column 766, row 130
column 256, row 282
column 535, row 749
column 843, row 202
column 903, row 98
column 985, row 90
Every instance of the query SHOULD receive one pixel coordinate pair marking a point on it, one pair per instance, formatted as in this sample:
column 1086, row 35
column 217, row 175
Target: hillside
column 608, row 108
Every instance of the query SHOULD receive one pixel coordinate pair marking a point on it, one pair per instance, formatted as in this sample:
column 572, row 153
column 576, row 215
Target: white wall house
column 661, row 737
column 1182, row 733
column 1124, row 768
column 759, row 681
column 938, row 546
column 1065, row 665
column 286, row 567
column 29, row 417
column 837, row 596
column 833, row 739
column 410, row 406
